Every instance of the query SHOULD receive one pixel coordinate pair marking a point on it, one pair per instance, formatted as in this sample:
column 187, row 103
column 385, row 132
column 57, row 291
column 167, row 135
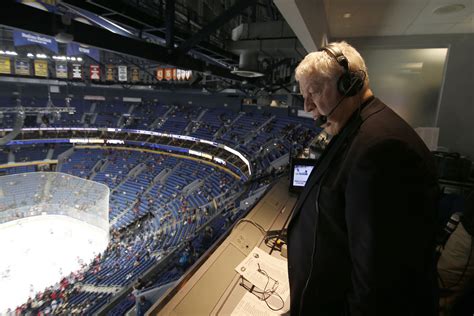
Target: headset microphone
column 322, row 119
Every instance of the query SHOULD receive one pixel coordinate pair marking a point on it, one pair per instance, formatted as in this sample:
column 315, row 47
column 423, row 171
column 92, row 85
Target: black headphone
column 349, row 83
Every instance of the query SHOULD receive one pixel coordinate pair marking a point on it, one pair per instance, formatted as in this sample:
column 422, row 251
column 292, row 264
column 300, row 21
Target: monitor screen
column 301, row 169
column 301, row 174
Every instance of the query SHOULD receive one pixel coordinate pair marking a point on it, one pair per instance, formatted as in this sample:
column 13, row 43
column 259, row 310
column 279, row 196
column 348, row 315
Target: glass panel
column 408, row 80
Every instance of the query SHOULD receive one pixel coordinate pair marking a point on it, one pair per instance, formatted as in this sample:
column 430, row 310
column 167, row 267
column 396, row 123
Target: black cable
column 283, row 228
column 271, row 292
column 270, row 241
column 265, row 294
column 257, row 225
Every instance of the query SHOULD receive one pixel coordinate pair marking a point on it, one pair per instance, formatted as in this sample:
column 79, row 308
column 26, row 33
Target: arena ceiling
column 218, row 37
column 194, row 35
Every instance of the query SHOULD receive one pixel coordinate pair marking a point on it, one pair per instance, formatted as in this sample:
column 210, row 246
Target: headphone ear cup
column 350, row 84
column 358, row 84
column 344, row 83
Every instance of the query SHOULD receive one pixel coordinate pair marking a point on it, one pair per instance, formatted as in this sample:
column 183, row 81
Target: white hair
column 320, row 66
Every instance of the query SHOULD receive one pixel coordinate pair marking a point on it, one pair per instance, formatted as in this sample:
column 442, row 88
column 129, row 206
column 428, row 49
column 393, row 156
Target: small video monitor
column 300, row 171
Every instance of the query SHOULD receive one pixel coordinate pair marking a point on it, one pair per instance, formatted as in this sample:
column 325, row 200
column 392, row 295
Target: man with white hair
column 361, row 239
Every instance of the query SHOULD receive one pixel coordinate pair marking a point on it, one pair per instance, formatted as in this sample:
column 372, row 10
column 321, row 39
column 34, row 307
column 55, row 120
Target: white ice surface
column 35, row 252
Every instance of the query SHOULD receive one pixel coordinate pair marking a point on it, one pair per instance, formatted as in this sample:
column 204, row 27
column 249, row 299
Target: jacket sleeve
column 389, row 229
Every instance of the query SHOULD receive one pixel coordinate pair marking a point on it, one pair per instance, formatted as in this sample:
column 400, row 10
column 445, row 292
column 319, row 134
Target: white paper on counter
column 277, row 270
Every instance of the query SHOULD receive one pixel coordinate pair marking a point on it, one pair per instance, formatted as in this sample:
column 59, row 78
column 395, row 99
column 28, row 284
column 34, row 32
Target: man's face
column 320, row 99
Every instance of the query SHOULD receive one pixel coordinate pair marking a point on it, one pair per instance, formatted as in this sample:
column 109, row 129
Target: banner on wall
column 94, row 72
column 168, row 74
column 74, row 49
column 76, row 71
column 135, row 75
column 181, row 74
column 122, row 73
column 61, row 69
column 22, row 67
column 159, row 74
column 188, row 74
column 21, row 38
column 109, row 73
column 41, row 68
column 5, row 65
column 174, row 74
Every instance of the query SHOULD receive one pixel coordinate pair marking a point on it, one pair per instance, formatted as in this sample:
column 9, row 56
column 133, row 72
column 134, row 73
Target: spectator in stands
column 207, row 238
column 184, row 260
column 361, row 239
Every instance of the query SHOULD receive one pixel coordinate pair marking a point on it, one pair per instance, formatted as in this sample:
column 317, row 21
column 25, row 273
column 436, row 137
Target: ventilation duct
column 275, row 38
column 248, row 65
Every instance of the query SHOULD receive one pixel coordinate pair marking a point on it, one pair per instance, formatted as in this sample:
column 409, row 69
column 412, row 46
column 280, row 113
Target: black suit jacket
column 361, row 239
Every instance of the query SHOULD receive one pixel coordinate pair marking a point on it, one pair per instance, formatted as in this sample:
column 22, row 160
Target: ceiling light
column 64, row 37
column 8, row 52
column 449, row 8
column 35, row 5
column 411, row 68
column 30, row 55
column 247, row 73
column 347, row 15
column 82, row 20
column 116, row 25
column 412, row 65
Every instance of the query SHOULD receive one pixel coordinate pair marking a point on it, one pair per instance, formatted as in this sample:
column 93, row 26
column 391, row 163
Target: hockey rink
column 38, row 251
